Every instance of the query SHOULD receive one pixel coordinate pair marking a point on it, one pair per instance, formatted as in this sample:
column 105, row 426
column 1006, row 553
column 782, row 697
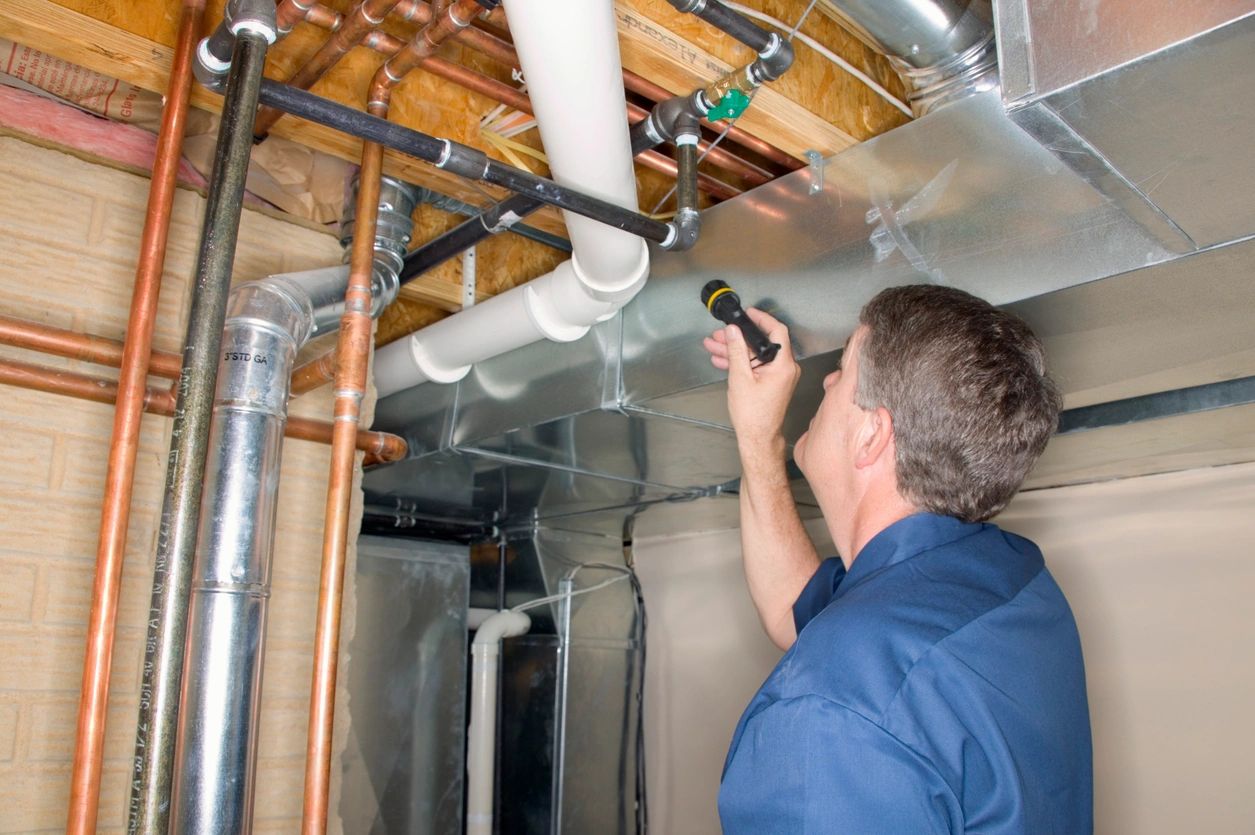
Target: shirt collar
column 902, row 540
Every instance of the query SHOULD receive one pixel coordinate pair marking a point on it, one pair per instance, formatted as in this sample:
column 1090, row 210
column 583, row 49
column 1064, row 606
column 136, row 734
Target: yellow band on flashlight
column 710, row 302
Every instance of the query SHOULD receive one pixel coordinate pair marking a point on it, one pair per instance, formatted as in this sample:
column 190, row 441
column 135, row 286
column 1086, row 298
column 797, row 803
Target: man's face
column 825, row 451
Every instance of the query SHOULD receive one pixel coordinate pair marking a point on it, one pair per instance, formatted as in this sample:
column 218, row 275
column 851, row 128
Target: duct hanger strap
column 458, row 158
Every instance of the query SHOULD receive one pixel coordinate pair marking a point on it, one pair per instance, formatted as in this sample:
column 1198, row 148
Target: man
column 933, row 681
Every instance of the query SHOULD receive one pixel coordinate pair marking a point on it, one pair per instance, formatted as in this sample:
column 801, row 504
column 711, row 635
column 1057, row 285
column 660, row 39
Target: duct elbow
column 273, row 303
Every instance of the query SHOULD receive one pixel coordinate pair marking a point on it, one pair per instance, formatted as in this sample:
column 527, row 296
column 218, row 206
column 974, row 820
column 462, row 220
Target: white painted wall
column 1160, row 574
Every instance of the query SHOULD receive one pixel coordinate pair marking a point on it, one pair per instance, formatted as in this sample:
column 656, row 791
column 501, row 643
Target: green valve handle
column 732, row 105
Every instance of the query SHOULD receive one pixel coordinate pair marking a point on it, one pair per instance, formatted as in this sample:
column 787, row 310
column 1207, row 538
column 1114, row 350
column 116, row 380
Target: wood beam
column 83, row 39
column 815, row 106
column 438, row 292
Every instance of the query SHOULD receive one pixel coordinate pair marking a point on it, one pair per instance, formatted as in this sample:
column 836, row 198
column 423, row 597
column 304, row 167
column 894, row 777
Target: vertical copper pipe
column 353, row 352
column 119, row 477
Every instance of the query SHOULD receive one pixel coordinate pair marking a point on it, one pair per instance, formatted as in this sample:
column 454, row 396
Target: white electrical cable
column 824, row 51
column 554, row 598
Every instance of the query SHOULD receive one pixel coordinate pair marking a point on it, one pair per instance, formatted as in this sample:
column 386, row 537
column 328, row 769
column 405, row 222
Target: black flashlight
column 724, row 304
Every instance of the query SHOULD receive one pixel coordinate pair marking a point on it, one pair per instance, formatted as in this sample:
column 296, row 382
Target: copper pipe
column 124, row 445
column 101, row 350
column 314, row 373
column 353, row 351
column 507, row 95
column 482, row 42
column 365, row 17
column 289, row 13
column 383, row 446
column 498, row 50
column 324, row 18
column 47, row 339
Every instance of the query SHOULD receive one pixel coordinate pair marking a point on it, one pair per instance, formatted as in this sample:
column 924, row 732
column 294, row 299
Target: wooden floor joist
column 814, row 106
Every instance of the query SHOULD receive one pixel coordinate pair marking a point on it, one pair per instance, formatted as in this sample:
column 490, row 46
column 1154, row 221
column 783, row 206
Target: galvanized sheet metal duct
column 982, row 199
column 267, row 323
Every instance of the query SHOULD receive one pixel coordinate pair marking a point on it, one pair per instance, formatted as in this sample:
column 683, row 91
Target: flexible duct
column 577, row 95
column 267, row 323
column 481, row 746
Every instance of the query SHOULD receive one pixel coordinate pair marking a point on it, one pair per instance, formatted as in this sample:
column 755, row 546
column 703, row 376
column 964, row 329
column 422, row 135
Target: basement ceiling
column 816, row 106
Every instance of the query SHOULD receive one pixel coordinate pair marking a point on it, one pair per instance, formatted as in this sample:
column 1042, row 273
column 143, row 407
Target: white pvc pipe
column 482, row 732
column 569, row 51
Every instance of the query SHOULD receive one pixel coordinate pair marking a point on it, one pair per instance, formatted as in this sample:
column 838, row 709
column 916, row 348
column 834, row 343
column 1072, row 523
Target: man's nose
column 831, row 379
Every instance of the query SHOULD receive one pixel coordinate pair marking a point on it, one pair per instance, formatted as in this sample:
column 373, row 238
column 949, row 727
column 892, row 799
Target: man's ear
column 875, row 437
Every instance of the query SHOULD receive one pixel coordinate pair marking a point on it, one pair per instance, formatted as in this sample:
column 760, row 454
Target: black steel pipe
column 458, row 159
column 726, row 20
column 459, row 207
column 180, row 513
column 686, row 176
column 688, row 223
column 496, row 218
column 466, row 235
column 524, row 182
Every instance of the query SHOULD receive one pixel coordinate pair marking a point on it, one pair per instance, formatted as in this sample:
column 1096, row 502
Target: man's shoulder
column 860, row 650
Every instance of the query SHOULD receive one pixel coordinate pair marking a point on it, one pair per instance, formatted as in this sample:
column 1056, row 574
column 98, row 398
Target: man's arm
column 779, row 557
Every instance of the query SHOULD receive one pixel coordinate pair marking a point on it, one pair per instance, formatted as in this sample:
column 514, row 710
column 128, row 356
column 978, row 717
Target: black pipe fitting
column 661, row 124
column 213, row 53
column 773, row 62
column 684, row 231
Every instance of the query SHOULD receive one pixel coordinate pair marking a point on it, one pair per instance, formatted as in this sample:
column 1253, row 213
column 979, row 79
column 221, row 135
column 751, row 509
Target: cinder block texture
column 71, row 233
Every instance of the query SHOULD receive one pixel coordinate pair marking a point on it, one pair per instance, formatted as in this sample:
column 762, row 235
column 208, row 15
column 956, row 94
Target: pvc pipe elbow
column 504, row 624
column 619, row 286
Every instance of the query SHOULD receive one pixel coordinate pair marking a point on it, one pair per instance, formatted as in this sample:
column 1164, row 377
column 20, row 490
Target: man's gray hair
column 966, row 384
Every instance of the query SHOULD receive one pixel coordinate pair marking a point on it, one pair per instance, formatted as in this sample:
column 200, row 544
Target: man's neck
column 871, row 516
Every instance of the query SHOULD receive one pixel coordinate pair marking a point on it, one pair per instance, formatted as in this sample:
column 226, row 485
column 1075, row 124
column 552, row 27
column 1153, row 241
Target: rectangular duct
column 1100, row 186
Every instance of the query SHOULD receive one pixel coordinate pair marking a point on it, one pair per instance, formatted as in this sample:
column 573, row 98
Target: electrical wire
column 554, row 598
column 625, row 573
column 875, row 86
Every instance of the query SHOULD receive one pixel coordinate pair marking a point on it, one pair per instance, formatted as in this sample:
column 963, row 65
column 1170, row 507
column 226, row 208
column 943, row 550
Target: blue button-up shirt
column 936, row 688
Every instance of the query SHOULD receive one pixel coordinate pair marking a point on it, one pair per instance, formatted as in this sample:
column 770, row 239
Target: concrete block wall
column 69, row 237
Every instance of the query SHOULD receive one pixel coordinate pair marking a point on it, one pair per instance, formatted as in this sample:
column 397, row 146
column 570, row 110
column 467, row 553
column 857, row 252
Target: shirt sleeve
column 818, row 591
column 810, row 765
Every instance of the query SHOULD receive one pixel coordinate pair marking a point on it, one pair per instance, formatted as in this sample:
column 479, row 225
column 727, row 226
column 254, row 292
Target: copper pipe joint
column 314, row 373
column 363, row 19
